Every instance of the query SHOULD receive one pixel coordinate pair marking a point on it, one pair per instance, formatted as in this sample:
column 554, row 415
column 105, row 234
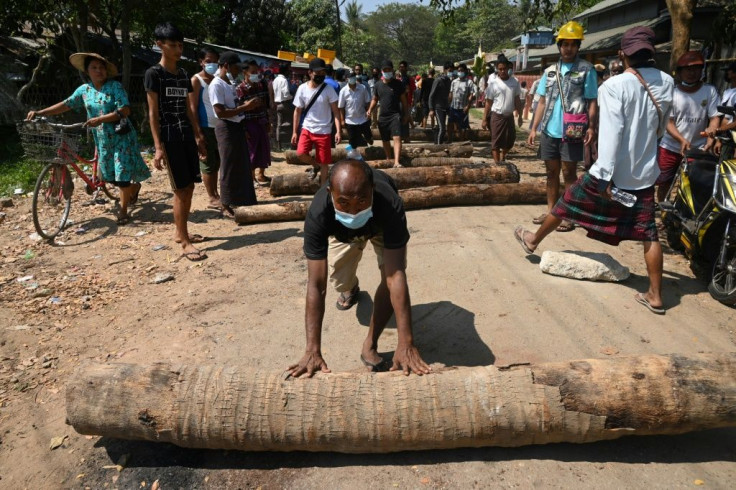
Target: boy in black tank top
column 176, row 133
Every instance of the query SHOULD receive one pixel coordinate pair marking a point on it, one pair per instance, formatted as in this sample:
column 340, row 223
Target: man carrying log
column 357, row 206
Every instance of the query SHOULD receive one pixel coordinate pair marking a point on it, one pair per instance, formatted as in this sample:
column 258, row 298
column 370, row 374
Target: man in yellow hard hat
column 568, row 91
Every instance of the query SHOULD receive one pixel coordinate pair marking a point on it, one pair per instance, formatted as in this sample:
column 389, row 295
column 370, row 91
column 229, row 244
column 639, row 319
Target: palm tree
column 354, row 15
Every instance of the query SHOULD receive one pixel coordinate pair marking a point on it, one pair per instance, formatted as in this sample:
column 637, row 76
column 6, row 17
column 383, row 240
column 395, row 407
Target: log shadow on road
column 248, row 239
column 177, row 466
column 443, row 333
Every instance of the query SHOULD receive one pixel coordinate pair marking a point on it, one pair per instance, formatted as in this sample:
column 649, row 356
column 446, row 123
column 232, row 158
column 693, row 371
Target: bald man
column 356, row 206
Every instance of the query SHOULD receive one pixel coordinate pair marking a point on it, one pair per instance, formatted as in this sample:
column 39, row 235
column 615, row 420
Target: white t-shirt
column 628, row 128
column 503, row 93
column 281, row 89
column 205, row 102
column 355, row 103
column 319, row 118
column 222, row 92
column 691, row 113
column 729, row 99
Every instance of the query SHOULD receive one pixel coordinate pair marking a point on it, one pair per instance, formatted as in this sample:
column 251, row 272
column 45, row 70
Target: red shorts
column 668, row 161
column 322, row 146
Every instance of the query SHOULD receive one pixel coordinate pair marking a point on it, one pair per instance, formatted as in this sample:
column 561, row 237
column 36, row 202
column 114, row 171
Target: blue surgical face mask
column 461, row 74
column 388, row 75
column 254, row 77
column 210, row 68
column 353, row 221
column 352, row 80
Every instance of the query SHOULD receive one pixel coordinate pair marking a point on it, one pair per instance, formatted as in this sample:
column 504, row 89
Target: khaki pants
column 344, row 258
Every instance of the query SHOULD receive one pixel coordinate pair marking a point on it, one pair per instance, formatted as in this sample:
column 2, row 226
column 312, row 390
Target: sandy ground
column 476, row 298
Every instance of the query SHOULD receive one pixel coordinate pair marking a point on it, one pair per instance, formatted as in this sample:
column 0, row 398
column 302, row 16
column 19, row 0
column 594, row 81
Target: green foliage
column 15, row 170
column 402, row 32
column 313, row 25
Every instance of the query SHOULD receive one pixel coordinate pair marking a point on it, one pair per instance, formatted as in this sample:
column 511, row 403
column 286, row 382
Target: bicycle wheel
column 111, row 191
column 52, row 200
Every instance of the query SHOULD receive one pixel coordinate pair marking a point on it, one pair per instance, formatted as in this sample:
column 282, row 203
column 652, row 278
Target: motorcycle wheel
column 723, row 281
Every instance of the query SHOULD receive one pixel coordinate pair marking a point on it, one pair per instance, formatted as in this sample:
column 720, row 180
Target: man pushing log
column 356, row 206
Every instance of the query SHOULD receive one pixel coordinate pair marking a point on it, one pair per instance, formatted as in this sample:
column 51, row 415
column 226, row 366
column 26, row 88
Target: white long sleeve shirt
column 281, row 89
column 629, row 128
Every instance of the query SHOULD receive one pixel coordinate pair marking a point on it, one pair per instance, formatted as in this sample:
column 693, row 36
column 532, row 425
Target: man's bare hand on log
column 310, row 364
column 407, row 358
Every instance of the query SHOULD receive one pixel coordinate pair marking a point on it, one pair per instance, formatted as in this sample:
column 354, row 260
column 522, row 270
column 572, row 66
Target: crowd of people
column 215, row 127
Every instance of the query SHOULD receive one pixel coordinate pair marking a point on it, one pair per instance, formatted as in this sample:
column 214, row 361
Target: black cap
column 229, row 58
column 317, row 64
column 730, row 67
column 387, row 64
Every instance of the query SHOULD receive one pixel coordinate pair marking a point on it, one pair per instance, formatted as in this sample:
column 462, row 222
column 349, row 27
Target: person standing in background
column 199, row 100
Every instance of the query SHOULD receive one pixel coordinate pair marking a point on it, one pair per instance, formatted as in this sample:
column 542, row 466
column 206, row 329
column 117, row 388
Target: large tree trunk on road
column 408, row 152
column 424, row 197
column 419, row 134
column 234, row 407
column 301, row 184
column 474, row 195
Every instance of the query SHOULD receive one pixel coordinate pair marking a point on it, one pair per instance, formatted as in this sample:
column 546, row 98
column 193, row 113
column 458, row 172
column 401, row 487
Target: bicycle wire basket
column 41, row 141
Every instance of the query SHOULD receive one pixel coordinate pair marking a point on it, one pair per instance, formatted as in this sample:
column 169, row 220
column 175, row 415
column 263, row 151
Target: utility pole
column 339, row 28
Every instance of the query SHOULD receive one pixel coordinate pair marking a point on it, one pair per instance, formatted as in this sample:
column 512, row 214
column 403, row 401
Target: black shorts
column 390, row 128
column 556, row 149
column 182, row 163
column 359, row 134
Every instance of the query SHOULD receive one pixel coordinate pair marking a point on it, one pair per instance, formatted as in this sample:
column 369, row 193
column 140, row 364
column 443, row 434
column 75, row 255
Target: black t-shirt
column 388, row 218
column 389, row 96
column 172, row 90
column 426, row 89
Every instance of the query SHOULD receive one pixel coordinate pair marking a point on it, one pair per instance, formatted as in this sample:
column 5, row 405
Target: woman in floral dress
column 106, row 102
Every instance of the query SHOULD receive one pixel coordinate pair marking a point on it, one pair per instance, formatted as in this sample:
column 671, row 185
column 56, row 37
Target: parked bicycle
column 60, row 145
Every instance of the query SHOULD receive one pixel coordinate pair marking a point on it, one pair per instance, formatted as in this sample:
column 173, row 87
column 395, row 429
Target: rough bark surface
column 418, row 134
column 681, row 13
column 405, row 178
column 233, row 407
column 424, row 197
column 408, row 152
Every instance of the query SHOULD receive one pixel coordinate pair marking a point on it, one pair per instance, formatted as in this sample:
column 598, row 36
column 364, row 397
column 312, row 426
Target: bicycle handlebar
column 55, row 125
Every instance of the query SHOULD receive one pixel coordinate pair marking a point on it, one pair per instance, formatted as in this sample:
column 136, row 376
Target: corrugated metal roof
column 603, row 39
column 601, row 7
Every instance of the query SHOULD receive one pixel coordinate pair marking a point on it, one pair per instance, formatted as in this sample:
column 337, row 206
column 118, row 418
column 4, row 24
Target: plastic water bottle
column 625, row 198
column 353, row 153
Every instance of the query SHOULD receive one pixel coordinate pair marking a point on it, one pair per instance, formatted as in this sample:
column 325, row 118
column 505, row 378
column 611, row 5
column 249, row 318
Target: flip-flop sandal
column 539, row 219
column 216, row 207
column 227, row 213
column 565, row 227
column 643, row 301
column 519, row 235
column 196, row 238
column 379, row 367
column 347, row 301
column 194, row 256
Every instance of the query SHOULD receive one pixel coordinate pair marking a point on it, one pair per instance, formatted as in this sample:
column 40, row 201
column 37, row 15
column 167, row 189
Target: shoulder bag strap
column 313, row 100
column 638, row 76
column 559, row 85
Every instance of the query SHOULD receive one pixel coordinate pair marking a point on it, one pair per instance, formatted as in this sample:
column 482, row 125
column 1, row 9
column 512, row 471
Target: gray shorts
column 555, row 149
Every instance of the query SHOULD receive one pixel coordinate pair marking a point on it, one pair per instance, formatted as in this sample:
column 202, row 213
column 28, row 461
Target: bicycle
column 59, row 145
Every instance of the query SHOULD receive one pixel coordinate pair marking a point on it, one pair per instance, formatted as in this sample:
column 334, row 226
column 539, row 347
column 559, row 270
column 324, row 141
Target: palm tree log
column 236, row 407
column 420, row 198
column 471, row 173
column 408, row 152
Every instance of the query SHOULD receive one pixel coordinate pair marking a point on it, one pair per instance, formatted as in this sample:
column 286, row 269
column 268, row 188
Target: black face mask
column 376, row 76
column 318, row 79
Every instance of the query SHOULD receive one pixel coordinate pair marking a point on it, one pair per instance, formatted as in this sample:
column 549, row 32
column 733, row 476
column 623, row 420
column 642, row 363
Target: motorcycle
column 700, row 220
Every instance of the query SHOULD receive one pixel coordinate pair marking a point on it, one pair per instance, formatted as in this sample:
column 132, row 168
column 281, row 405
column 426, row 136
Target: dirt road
column 476, row 298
